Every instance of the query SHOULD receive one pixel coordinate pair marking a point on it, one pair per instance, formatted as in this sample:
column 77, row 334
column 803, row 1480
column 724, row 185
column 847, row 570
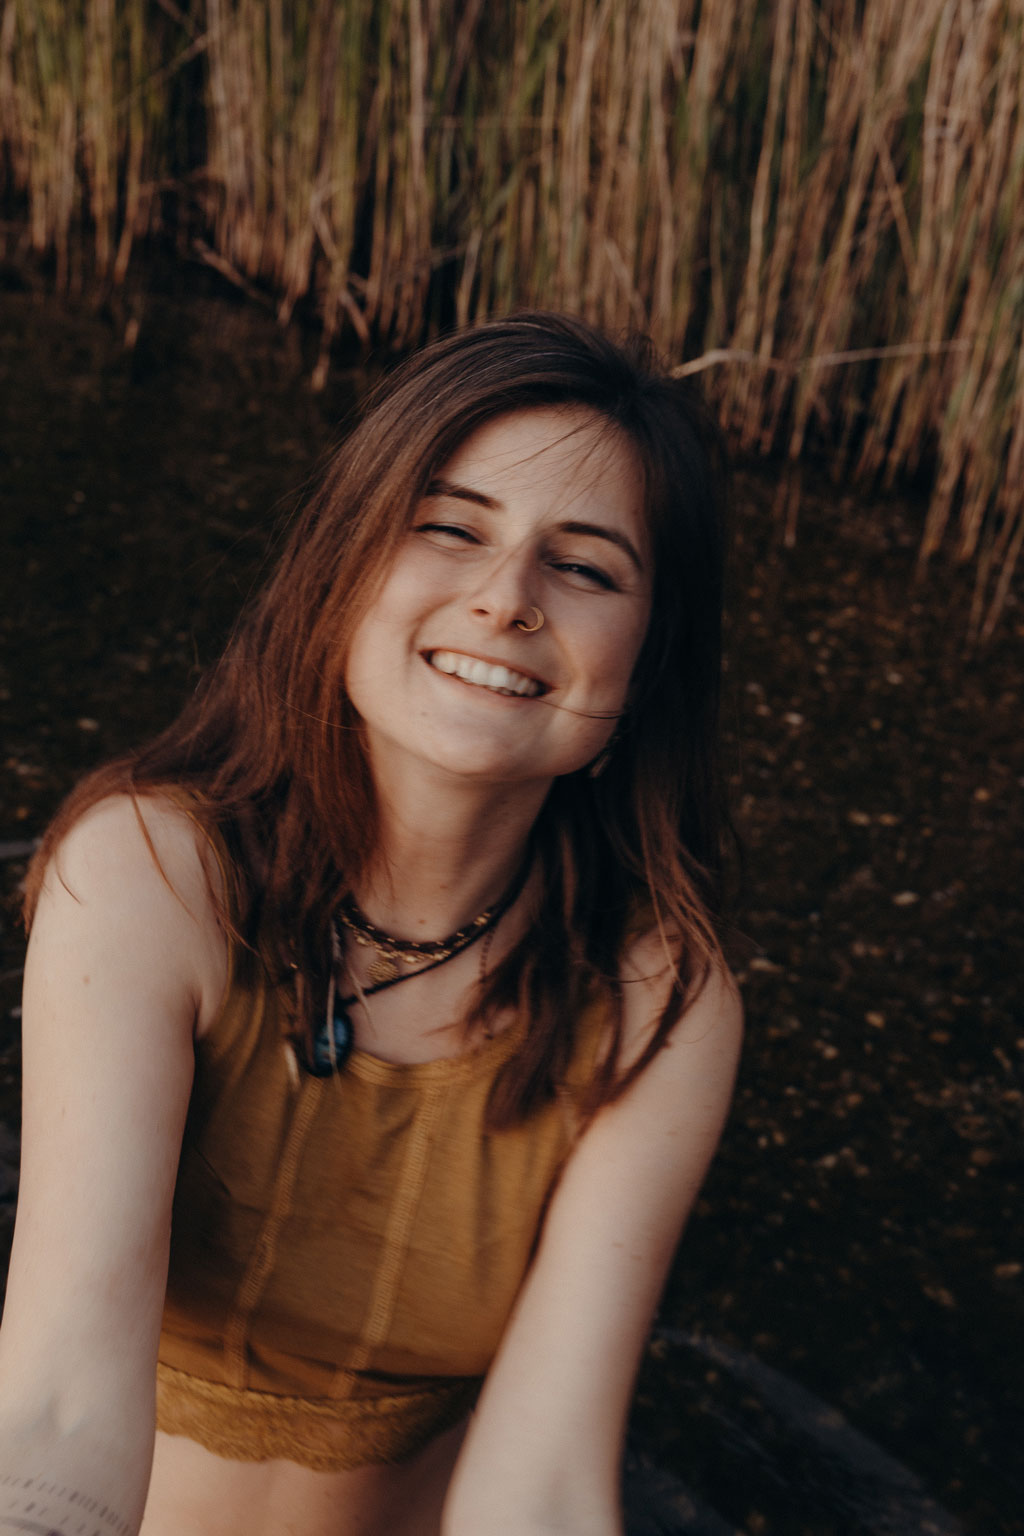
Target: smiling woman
column 377, row 1035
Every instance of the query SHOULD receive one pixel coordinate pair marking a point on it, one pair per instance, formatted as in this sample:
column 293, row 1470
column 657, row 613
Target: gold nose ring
column 530, row 629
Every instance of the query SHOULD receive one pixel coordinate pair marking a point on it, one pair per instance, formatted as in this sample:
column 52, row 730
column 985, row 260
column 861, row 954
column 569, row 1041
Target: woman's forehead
column 571, row 450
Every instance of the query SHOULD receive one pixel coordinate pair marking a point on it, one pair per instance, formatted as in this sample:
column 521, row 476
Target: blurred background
column 220, row 219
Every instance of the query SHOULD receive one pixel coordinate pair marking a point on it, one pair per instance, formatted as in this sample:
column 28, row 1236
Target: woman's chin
column 499, row 751
column 486, row 767
column 465, row 760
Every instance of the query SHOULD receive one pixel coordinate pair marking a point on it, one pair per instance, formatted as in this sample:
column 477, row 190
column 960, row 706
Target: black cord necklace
column 332, row 1041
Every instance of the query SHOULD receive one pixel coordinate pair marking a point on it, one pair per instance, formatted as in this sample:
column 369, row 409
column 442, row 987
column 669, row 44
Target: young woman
column 390, row 973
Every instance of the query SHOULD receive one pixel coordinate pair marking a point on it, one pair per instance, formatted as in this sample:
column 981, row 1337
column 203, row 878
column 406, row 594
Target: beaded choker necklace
column 332, row 1041
column 391, row 951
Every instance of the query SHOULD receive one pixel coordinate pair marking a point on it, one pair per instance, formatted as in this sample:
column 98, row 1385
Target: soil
column 861, row 1231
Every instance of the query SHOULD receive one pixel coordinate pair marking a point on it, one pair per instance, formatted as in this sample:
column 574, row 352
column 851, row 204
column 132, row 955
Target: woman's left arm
column 544, row 1449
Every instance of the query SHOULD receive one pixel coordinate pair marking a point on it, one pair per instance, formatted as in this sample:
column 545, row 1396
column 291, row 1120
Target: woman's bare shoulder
column 140, row 845
column 135, row 875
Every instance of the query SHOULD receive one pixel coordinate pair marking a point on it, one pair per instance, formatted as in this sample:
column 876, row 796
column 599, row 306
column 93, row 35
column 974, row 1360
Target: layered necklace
column 332, row 1041
column 392, row 954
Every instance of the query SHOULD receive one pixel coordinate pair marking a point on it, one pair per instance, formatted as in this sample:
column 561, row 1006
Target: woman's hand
column 125, row 955
column 543, row 1452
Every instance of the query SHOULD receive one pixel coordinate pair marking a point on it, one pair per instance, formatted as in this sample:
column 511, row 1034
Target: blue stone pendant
column 322, row 1064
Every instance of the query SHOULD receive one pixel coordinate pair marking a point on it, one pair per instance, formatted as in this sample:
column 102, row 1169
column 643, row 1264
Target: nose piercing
column 530, row 629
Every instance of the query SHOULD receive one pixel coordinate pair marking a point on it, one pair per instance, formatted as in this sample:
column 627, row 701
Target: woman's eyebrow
column 462, row 493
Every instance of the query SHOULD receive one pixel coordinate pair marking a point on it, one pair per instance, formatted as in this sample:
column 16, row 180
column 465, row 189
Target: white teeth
column 483, row 674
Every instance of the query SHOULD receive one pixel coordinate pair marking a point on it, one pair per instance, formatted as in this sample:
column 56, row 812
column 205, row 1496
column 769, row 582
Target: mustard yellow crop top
column 345, row 1251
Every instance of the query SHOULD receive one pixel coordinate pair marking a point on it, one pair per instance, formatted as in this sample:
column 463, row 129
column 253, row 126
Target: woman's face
column 537, row 510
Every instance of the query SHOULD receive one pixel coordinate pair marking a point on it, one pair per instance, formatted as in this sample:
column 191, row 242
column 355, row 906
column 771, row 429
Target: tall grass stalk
column 81, row 125
column 820, row 206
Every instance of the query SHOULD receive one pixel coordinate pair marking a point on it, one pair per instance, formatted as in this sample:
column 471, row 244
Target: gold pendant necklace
column 384, row 968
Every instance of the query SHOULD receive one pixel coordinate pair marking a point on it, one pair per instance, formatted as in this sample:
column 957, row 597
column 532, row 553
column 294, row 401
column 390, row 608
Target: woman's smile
column 479, row 673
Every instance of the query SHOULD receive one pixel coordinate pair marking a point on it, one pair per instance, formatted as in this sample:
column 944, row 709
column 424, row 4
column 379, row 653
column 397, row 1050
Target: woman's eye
column 445, row 532
column 589, row 574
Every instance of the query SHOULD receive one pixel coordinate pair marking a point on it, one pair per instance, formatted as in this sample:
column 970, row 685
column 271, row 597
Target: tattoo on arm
column 41, row 1508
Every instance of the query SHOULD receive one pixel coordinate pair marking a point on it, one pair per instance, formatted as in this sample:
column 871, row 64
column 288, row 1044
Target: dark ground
column 862, row 1229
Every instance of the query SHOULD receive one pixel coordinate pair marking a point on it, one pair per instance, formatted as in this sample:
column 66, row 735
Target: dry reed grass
column 822, row 205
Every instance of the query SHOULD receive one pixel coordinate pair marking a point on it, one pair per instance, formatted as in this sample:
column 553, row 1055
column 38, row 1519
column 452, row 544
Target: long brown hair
column 270, row 746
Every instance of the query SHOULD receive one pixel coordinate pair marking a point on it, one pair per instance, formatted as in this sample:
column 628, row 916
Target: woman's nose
column 504, row 591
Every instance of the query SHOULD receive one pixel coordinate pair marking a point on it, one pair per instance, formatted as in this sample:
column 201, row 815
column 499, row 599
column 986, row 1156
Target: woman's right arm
column 126, row 957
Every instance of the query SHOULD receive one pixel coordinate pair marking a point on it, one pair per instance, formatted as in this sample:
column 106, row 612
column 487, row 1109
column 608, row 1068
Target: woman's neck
column 446, row 853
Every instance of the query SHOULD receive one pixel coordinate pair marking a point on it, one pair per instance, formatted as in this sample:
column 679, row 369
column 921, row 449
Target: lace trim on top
column 242, row 1425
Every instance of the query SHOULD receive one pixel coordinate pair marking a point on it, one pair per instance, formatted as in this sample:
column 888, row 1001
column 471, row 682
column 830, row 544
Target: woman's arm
column 544, row 1450
column 125, row 956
